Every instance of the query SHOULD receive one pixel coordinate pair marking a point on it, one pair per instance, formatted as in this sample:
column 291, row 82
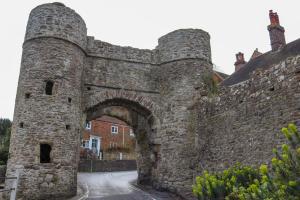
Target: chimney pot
column 276, row 31
column 240, row 61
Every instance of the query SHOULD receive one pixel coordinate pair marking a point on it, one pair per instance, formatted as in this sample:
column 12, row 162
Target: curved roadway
column 116, row 186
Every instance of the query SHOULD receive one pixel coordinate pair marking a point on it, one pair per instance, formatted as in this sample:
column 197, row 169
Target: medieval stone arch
column 144, row 124
column 88, row 77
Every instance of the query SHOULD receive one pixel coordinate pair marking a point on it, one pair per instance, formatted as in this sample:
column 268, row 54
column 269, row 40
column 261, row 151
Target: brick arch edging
column 102, row 96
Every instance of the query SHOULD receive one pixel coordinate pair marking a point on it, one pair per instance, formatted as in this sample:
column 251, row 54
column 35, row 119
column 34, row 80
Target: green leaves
column 279, row 182
column 219, row 185
column 5, row 128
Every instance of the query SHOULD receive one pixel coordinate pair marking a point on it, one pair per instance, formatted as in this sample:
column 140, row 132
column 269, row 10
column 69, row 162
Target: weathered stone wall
column 106, row 165
column 242, row 123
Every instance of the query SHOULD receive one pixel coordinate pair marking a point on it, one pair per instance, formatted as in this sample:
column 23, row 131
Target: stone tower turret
column 46, row 124
column 185, row 71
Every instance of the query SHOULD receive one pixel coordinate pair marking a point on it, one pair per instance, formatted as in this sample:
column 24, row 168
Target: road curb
column 155, row 195
column 82, row 192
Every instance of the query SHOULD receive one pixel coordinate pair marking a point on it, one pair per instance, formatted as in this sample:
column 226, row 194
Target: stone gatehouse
column 182, row 124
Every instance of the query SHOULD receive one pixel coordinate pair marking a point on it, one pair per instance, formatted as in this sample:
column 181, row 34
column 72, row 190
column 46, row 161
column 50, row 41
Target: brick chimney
column 240, row 61
column 276, row 32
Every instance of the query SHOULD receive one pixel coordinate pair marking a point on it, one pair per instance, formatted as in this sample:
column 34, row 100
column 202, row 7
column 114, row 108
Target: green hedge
column 5, row 128
column 280, row 181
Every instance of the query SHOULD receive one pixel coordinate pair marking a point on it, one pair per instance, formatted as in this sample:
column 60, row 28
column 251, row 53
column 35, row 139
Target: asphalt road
column 113, row 186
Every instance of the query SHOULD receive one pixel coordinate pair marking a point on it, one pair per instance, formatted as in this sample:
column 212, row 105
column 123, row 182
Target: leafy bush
column 279, row 182
column 219, row 185
column 5, row 127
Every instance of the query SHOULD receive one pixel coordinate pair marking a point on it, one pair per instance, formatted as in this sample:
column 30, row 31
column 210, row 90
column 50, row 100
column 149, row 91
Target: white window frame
column 88, row 125
column 131, row 133
column 114, row 129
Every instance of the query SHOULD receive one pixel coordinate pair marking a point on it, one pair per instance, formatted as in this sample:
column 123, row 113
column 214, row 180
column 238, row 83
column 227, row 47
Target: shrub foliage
column 279, row 181
column 5, row 127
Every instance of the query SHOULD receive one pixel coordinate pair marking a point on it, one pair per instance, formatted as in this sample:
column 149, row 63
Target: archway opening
column 141, row 125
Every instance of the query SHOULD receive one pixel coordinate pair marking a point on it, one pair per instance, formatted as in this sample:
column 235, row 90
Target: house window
column 114, row 129
column 94, row 143
column 85, row 143
column 49, row 87
column 45, row 150
column 88, row 125
column 131, row 133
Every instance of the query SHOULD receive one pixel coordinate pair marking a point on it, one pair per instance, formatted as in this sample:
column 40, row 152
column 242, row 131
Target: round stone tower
column 184, row 73
column 184, row 44
column 48, row 111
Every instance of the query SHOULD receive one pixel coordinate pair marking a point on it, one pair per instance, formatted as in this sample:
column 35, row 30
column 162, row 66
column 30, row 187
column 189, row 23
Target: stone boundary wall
column 242, row 123
column 106, row 165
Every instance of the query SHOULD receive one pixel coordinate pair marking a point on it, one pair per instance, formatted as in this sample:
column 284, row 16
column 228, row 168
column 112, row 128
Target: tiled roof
column 263, row 61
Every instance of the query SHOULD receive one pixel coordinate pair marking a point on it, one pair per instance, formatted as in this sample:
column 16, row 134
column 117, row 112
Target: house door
column 96, row 146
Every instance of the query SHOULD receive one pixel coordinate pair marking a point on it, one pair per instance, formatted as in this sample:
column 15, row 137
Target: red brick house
column 108, row 138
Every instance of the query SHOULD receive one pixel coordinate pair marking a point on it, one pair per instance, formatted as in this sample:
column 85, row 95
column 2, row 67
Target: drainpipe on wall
column 123, row 137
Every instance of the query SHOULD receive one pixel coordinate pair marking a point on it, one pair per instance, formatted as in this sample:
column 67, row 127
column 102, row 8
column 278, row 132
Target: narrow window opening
column 88, row 125
column 49, row 87
column 68, row 127
column 69, row 100
column 45, row 150
column 27, row 95
column 88, row 88
column 272, row 89
column 22, row 125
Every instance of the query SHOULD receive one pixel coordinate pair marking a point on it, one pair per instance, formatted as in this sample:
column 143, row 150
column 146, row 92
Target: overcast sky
column 234, row 25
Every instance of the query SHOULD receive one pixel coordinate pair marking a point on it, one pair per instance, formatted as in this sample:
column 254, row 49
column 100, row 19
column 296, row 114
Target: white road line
column 139, row 190
column 86, row 195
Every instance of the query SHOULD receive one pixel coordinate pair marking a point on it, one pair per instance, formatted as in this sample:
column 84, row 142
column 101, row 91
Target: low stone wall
column 106, row 165
column 2, row 172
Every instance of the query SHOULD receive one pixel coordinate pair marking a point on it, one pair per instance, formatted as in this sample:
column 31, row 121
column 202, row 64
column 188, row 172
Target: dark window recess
column 272, row 89
column 22, row 125
column 49, row 87
column 45, row 150
column 68, row 127
column 88, row 88
column 27, row 95
column 69, row 100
